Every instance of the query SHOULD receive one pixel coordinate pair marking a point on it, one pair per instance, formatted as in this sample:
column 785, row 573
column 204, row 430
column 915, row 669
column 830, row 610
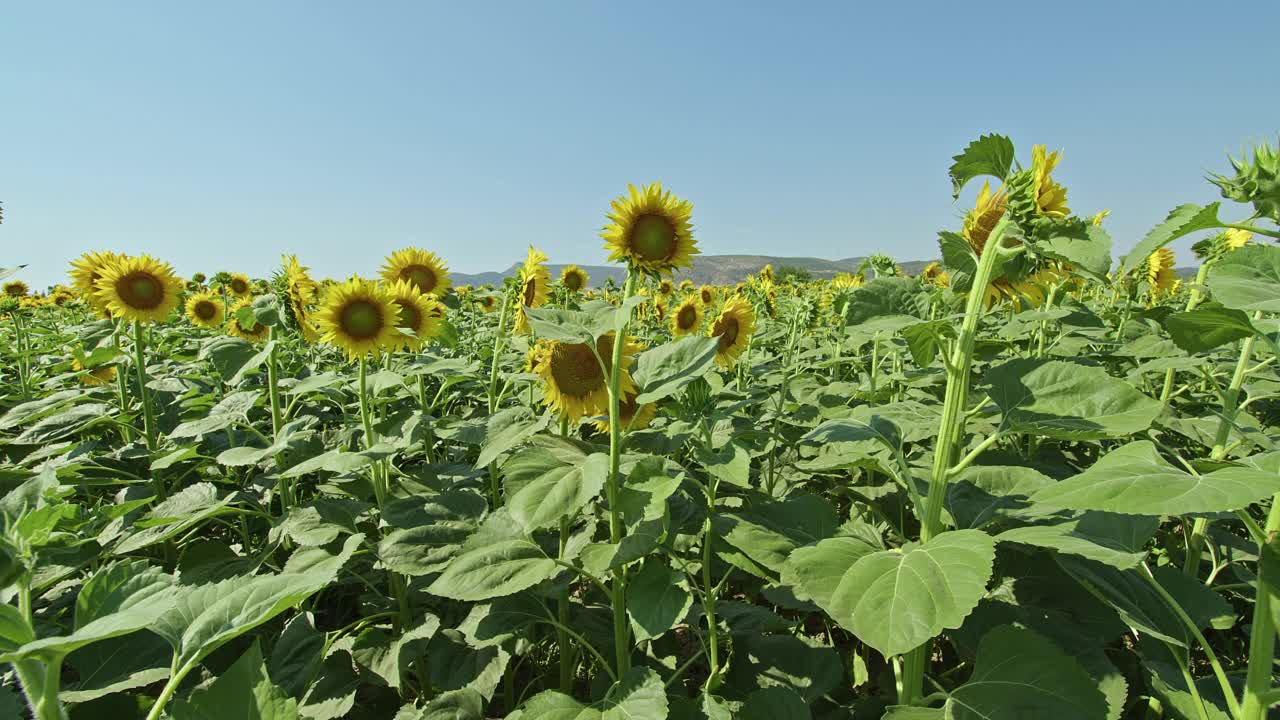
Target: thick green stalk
column 497, row 351
column 709, row 590
column 122, row 390
column 621, row 631
column 1262, row 637
column 19, row 344
column 277, row 417
column 140, row 362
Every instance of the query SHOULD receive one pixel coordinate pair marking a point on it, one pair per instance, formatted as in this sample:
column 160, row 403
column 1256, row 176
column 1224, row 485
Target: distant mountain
column 706, row 270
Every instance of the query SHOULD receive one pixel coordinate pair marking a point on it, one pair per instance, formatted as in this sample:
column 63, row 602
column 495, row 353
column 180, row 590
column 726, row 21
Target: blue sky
column 219, row 135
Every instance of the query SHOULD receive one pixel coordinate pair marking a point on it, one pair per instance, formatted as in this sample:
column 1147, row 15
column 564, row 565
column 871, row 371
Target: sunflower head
column 420, row 268
column 139, row 289
column 1051, row 197
column 536, row 355
column 535, row 281
column 733, row 327
column 766, row 273
column 235, row 328
column 93, row 377
column 982, row 219
column 630, row 415
column 573, row 278
column 846, row 281
column 293, row 283
column 707, row 295
column 687, row 317
column 417, row 314
column 16, row 289
column 239, row 285
column 934, row 274
column 487, row 302
column 85, row 271
column 1159, row 271
column 650, row 229
column 359, row 317
column 205, row 310
column 575, row 383
column 666, row 287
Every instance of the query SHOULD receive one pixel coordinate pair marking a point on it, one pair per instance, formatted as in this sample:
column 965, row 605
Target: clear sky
column 218, row 135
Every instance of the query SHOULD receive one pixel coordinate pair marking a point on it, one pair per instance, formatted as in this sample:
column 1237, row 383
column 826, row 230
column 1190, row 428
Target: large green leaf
column 657, row 599
column 989, row 155
column 1064, row 400
column 1135, row 480
column 544, row 486
column 769, row 531
column 667, row 368
column 1110, row 538
column 1182, row 220
column 638, row 694
column 1208, row 326
column 507, row 429
column 494, row 569
column 243, row 691
column 1248, row 279
column 896, row 600
column 1087, row 248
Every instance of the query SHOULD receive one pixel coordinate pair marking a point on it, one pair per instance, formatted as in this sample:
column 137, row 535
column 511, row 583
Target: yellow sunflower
column 535, row 280
column 421, row 268
column 766, row 273
column 140, row 289
column 487, row 303
column 687, row 318
column 650, row 229
column 982, row 219
column 85, row 271
column 235, row 329
column 934, row 274
column 707, row 294
column 1051, row 197
column 575, row 384
column 93, row 377
column 418, row 314
column 666, row 287
column 205, row 310
column 239, row 285
column 630, row 416
column 1234, row 238
column 1159, row 271
column 16, row 289
column 736, row 322
column 359, row 317
column 686, row 285
column 301, row 288
column 536, row 355
column 573, row 278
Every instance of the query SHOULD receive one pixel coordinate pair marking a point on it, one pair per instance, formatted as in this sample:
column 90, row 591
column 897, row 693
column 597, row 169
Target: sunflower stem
column 277, row 418
column 140, row 363
column 621, row 631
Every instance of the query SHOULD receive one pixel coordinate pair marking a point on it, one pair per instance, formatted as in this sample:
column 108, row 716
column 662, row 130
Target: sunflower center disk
column 239, row 287
column 205, row 310
column 575, row 370
column 687, row 316
column 728, row 331
column 421, row 276
column 141, row 291
column 409, row 317
column 361, row 319
column 653, row 238
column 530, row 291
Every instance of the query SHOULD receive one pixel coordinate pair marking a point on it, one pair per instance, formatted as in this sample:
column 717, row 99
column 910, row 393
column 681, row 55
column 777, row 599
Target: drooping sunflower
column 293, row 282
column 651, row 229
column 235, row 328
column 205, row 310
column 139, row 289
column 982, row 219
column 573, row 278
column 575, row 384
column 1159, row 271
column 630, row 416
column 359, row 317
column 934, row 274
column 734, row 325
column 418, row 314
column 239, row 285
column 687, row 317
column 421, row 268
column 16, row 289
column 535, row 281
column 1051, row 197
column 707, row 294
column 93, row 377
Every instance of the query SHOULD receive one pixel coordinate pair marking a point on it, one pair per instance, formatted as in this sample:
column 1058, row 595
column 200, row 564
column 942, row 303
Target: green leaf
column 896, row 600
column 464, row 704
column 567, row 326
column 985, row 493
column 1067, row 401
column 1208, row 326
column 1247, row 278
column 550, row 489
column 1086, row 247
column 65, row 423
column 888, row 296
column 1135, row 480
column 1019, row 674
column 242, row 691
column 230, row 410
column 988, row 155
column 1117, row 540
column 773, row 703
column 1182, row 220
column 297, row 655
column 668, row 368
column 771, row 530
column 493, row 570
column 185, row 509
column 506, row 429
column 657, row 599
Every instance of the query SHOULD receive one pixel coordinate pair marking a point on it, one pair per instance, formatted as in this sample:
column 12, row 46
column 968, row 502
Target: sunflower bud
column 1257, row 181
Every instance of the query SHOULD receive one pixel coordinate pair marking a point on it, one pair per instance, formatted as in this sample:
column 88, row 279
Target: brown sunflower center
column 687, row 317
column 727, row 329
column 421, row 276
column 206, row 310
column 575, row 369
column 653, row 237
column 706, row 297
column 361, row 319
column 573, row 281
column 409, row 316
column 530, row 291
column 239, row 286
column 140, row 290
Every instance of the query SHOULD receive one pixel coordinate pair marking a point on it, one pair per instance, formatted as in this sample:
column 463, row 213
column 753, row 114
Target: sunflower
column 93, row 377
column 660, row 308
column 733, row 327
column 1234, row 238
column 239, row 285
column 534, row 281
column 982, row 219
column 418, row 314
column 61, row 295
column 422, row 269
column 573, row 278
column 666, row 287
column 686, row 285
column 205, row 310
column 360, row 317
column 487, row 303
column 630, row 416
column 1159, row 271
column 141, row 289
column 687, row 318
column 934, row 274
column 574, row 382
column 85, row 271
column 235, row 329
column 17, row 289
column 766, row 273
column 1051, row 197
column 536, row 355
column 707, row 294
column 650, row 229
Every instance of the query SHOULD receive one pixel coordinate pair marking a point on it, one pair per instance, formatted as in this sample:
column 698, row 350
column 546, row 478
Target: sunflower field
column 1033, row 481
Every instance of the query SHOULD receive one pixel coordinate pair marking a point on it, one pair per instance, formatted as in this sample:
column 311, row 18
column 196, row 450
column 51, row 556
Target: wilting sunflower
column 1051, row 197
column 417, row 313
column 734, row 325
column 573, row 278
column 687, row 317
column 140, row 289
column 630, row 416
column 535, row 280
column 707, row 294
column 17, row 289
column 650, row 229
column 359, row 317
column 421, row 268
column 934, row 274
column 93, row 377
column 573, row 381
column 236, row 329
column 982, row 219
column 239, row 285
column 205, row 310
column 1159, row 271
